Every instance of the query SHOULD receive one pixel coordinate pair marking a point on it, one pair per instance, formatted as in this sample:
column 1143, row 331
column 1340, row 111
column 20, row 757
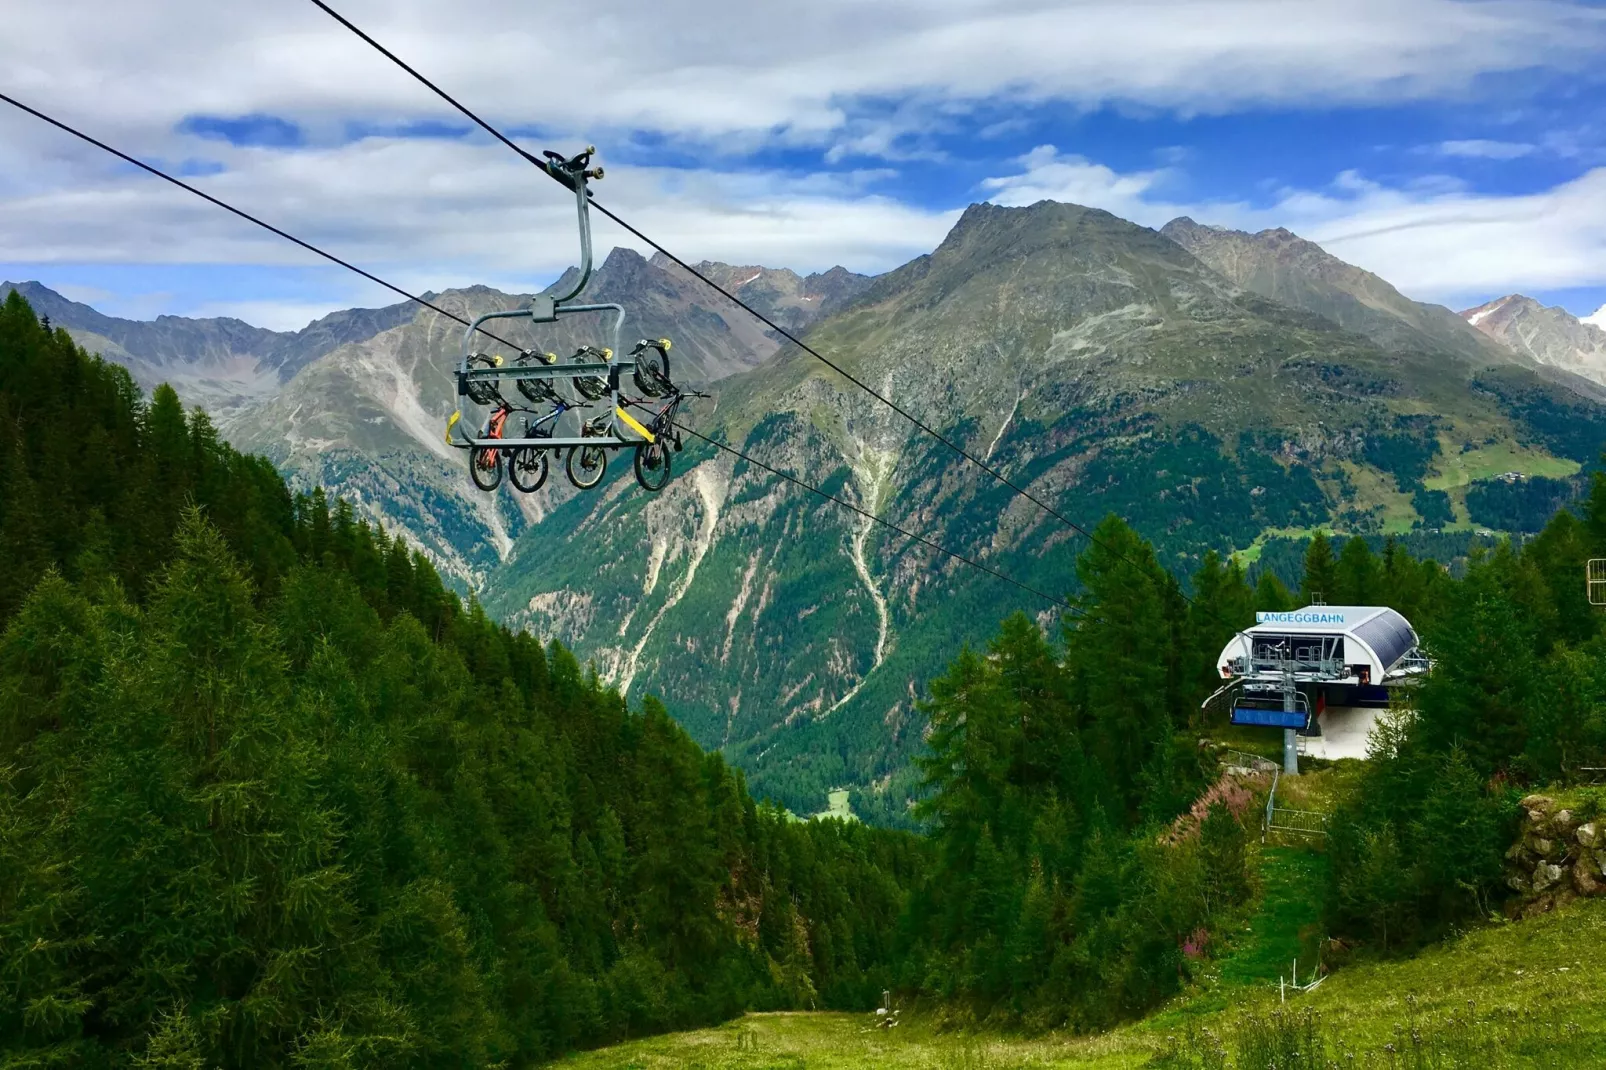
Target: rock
column 1537, row 804
column 1589, row 834
column 1517, row 883
column 1535, row 907
column 1543, row 847
column 1546, row 876
column 1586, row 881
column 1563, row 821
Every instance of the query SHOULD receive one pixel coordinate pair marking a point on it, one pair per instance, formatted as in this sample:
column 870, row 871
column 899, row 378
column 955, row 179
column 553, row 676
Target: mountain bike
column 586, row 465
column 653, row 466
column 651, row 374
column 485, row 462
column 527, row 466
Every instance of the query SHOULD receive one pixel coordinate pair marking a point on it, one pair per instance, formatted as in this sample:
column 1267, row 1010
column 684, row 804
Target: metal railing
column 1284, row 819
column 1299, row 822
column 1245, row 760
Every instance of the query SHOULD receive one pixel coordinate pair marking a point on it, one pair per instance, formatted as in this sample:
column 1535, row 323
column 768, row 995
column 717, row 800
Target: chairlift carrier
column 573, row 173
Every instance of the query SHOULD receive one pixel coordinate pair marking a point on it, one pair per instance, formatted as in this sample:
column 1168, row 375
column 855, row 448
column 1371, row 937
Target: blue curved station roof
column 1389, row 635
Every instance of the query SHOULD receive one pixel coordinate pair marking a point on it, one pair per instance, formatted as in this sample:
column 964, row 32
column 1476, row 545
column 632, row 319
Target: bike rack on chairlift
column 547, row 308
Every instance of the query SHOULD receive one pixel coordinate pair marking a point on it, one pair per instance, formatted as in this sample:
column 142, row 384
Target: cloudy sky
column 1456, row 148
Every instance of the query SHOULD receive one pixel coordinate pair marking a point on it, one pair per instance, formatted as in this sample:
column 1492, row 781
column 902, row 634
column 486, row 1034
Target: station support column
column 1290, row 705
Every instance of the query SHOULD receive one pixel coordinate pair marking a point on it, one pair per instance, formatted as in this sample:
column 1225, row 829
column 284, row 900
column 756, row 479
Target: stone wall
column 1557, row 857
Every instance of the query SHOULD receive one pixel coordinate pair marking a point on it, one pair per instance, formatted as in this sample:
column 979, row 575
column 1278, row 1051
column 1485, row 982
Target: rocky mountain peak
column 1509, row 305
column 1285, row 267
column 1550, row 335
column 624, row 264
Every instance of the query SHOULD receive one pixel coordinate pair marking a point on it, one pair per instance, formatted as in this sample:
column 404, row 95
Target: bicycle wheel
column 652, row 369
column 590, row 387
column 527, row 468
column 586, row 465
column 484, row 391
column 485, row 467
column 652, row 466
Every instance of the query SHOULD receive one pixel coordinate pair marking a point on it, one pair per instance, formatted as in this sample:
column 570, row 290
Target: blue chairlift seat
column 1252, row 715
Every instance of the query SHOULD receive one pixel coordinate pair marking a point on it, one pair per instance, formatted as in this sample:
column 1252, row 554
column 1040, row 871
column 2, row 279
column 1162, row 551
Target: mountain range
column 1211, row 386
column 221, row 363
column 357, row 401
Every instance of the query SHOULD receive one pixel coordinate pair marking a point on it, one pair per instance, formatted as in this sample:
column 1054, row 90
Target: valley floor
column 1529, row 994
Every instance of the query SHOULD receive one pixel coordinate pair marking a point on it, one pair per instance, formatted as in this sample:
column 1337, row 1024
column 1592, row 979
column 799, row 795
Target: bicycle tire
column 652, row 466
column 590, row 387
column 523, row 462
column 484, row 391
column 652, row 371
column 587, row 458
column 487, row 477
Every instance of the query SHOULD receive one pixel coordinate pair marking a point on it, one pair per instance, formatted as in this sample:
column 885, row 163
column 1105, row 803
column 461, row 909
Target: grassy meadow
column 1509, row 995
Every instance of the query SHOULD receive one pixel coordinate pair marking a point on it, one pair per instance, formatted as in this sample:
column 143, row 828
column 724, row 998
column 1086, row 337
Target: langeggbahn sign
column 1300, row 617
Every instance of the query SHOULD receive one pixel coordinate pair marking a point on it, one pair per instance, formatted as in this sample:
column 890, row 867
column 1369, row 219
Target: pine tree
column 1270, row 594
column 24, row 545
column 1222, row 605
column 1119, row 678
column 1320, row 582
column 1357, row 576
column 1480, row 700
column 1595, row 510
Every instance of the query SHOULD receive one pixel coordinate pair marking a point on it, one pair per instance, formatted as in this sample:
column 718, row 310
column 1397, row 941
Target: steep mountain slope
column 1094, row 361
column 1549, row 335
column 219, row 363
column 366, row 419
column 1285, row 267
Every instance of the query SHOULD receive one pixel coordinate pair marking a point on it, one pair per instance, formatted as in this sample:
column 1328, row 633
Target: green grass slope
column 1508, row 996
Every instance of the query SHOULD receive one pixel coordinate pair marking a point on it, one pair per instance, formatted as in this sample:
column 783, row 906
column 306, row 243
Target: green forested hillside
column 270, row 796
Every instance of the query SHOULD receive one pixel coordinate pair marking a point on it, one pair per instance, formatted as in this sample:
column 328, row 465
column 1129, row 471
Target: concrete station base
column 1345, row 730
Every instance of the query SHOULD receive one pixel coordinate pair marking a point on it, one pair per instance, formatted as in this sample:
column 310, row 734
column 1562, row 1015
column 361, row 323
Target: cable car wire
column 755, row 313
column 1062, row 603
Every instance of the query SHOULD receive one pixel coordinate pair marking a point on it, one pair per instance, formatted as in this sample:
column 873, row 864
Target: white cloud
column 740, row 74
column 431, row 215
column 1050, row 176
column 1435, row 241
column 1480, row 149
column 736, row 78
column 1598, row 319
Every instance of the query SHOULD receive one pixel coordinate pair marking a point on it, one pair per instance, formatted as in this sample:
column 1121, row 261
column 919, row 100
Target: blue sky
column 1456, row 148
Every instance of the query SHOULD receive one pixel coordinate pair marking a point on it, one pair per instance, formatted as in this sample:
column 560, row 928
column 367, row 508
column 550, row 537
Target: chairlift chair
column 593, row 372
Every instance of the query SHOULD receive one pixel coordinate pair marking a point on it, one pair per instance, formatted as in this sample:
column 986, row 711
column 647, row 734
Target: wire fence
column 1310, row 824
column 1298, row 822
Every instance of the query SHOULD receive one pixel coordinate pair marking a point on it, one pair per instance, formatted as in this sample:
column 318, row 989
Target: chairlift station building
column 1335, row 666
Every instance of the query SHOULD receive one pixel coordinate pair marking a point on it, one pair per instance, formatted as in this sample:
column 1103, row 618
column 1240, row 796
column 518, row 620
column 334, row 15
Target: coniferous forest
column 271, row 795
